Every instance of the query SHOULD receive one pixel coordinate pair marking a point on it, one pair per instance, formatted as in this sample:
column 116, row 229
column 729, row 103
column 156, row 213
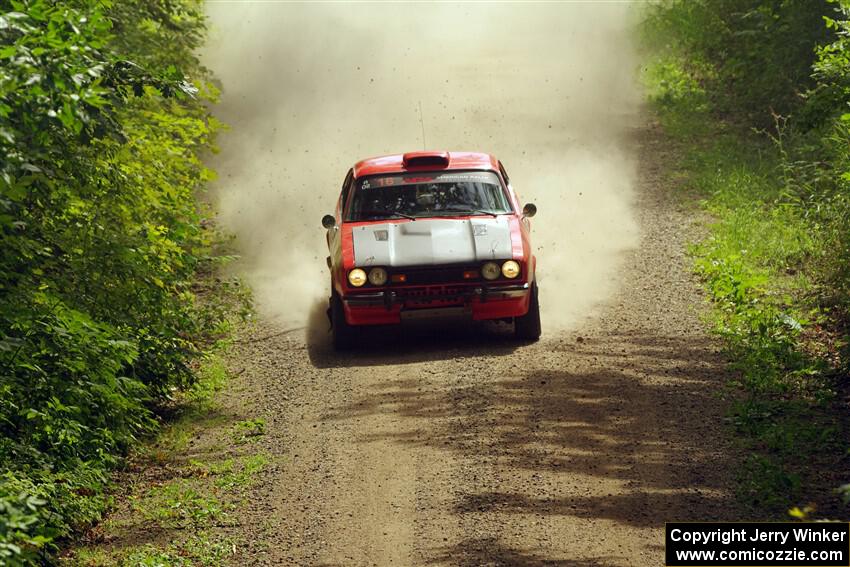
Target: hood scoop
column 420, row 228
column 433, row 160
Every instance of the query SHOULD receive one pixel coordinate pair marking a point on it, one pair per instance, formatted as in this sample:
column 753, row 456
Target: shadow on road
column 630, row 421
column 475, row 552
column 408, row 343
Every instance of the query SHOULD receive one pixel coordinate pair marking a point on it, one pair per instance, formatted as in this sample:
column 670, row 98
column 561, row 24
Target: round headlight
column 510, row 269
column 377, row 276
column 357, row 277
column 490, row 270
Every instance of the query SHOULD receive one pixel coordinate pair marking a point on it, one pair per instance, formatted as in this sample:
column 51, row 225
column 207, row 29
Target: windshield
column 428, row 194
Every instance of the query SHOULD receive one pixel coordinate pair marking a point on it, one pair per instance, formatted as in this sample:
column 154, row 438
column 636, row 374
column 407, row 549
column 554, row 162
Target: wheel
column 527, row 327
column 343, row 333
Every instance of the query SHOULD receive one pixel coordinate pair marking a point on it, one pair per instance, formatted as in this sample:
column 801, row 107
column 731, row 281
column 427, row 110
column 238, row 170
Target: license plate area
column 436, row 297
column 435, row 313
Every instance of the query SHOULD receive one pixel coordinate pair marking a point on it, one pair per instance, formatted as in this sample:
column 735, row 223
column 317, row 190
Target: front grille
column 441, row 275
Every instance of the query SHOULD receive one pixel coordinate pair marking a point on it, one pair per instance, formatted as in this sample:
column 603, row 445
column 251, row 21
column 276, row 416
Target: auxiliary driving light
column 510, row 269
column 357, row 277
column 377, row 276
column 490, row 270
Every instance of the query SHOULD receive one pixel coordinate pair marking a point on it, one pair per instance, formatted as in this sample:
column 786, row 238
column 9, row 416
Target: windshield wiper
column 479, row 211
column 386, row 214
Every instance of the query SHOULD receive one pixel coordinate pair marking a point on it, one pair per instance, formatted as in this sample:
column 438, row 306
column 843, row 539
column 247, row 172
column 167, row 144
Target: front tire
column 343, row 333
column 527, row 327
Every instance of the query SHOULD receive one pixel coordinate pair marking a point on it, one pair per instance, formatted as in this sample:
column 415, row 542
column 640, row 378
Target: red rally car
column 430, row 234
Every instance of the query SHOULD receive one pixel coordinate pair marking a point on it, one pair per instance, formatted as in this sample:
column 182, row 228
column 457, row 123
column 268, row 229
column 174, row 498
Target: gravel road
column 456, row 446
column 459, row 447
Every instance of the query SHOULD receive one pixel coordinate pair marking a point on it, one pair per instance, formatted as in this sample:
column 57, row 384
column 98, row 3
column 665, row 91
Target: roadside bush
column 751, row 56
column 103, row 119
column 757, row 94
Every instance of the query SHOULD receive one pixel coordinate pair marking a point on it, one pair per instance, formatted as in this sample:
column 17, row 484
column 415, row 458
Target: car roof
column 399, row 163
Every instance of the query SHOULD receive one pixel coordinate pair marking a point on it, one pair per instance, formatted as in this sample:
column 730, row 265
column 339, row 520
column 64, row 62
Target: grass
column 199, row 550
column 753, row 263
column 195, row 410
column 213, row 378
column 233, row 473
column 246, row 474
column 249, row 429
column 197, row 503
column 182, row 503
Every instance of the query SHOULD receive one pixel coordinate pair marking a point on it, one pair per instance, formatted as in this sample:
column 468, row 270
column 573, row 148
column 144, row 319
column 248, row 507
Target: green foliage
column 764, row 484
column 233, row 473
column 751, row 265
column 844, row 492
column 251, row 466
column 248, row 429
column 192, row 512
column 181, row 504
column 757, row 94
column 212, row 378
column 20, row 511
column 103, row 119
column 38, row 507
column 199, row 550
column 753, row 57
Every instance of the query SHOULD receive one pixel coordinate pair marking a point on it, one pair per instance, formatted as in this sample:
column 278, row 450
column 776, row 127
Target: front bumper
column 478, row 302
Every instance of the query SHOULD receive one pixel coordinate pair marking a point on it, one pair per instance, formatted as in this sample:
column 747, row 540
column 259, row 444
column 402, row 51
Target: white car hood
column 429, row 242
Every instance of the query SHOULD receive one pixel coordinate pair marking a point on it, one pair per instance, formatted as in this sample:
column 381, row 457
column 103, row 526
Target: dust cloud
column 308, row 89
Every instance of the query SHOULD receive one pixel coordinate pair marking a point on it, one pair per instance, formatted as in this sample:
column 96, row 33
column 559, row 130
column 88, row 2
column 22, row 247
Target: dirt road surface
column 457, row 446
column 460, row 447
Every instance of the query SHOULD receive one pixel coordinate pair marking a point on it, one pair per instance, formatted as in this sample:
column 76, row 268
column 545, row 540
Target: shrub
column 103, row 119
column 758, row 94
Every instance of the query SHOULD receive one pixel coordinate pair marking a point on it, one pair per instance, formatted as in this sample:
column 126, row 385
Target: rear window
column 428, row 194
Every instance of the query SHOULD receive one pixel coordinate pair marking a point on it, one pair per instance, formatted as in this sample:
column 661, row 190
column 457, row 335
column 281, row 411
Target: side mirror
column 328, row 221
column 529, row 210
